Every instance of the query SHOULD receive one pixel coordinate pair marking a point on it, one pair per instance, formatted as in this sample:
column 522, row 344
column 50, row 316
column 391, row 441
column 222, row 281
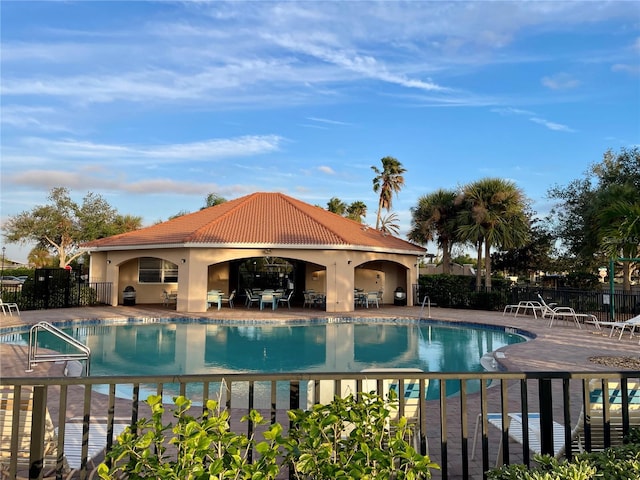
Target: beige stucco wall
column 335, row 272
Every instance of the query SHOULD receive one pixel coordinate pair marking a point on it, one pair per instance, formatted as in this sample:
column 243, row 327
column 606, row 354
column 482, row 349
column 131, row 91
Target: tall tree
column 335, row 205
column 435, row 218
column 356, row 211
column 387, row 181
column 62, row 225
column 389, row 224
column 494, row 215
column 212, row 200
column 578, row 219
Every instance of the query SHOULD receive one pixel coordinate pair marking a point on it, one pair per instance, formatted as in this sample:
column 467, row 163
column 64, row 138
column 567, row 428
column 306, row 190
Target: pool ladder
column 84, row 352
column 426, row 300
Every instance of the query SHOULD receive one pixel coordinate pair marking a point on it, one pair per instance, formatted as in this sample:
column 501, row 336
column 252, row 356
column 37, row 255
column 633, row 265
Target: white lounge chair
column 9, row 308
column 630, row 324
column 515, row 428
column 596, row 417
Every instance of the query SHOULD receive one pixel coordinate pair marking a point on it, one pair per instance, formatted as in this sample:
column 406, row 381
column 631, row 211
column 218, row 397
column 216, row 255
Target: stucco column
column 340, row 286
column 113, row 277
column 192, row 285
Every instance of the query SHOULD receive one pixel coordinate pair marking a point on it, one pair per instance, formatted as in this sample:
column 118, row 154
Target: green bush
column 351, row 438
column 614, row 463
column 348, row 438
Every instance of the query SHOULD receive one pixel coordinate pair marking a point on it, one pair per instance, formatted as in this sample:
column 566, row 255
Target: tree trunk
column 479, row 267
column 446, row 257
column 487, row 266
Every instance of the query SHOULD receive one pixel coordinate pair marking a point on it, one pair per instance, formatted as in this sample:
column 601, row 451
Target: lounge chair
column 9, row 307
column 15, row 460
column 515, row 428
column 631, row 324
column 594, row 422
column 547, row 308
column 568, row 312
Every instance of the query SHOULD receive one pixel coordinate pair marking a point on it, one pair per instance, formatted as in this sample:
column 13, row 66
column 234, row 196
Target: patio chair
column 251, row 298
column 214, row 297
column 286, row 299
column 168, row 298
column 372, row 298
column 268, row 298
column 9, row 307
column 229, row 299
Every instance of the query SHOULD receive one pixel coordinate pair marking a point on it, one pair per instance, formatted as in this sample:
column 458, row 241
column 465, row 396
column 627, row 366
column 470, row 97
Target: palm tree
column 357, row 210
column 493, row 215
column 435, row 218
column 389, row 224
column 335, row 205
column 387, row 181
column 620, row 233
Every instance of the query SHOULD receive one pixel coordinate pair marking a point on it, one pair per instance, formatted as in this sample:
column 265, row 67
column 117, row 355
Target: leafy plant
column 354, row 438
column 200, row 447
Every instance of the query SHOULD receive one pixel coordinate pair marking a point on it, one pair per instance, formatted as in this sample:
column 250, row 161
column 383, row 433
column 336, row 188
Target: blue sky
column 153, row 105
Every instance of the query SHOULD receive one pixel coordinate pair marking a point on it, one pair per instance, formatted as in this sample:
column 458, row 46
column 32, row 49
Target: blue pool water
column 166, row 347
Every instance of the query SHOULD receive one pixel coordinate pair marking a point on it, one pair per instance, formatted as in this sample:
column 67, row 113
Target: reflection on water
column 200, row 348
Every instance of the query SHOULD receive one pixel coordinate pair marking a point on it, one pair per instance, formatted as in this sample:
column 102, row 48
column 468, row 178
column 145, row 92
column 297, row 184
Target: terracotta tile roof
column 265, row 219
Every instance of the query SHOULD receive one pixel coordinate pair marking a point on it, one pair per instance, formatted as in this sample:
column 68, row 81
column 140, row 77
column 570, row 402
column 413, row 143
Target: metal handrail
column 34, row 357
column 428, row 300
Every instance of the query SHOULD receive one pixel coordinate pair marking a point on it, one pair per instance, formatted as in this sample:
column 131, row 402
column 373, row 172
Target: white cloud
column 560, row 81
column 327, row 170
column 551, row 125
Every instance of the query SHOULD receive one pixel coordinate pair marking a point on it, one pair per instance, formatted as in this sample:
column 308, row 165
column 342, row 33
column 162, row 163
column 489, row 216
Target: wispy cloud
column 533, row 117
column 214, row 149
column 560, row 81
column 326, row 169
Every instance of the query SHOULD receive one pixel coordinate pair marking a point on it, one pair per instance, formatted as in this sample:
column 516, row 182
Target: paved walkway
column 562, row 347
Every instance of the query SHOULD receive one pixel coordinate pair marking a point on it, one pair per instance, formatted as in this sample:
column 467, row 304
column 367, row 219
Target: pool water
column 193, row 347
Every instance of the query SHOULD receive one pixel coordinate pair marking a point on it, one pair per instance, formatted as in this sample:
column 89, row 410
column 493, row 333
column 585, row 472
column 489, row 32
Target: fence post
column 38, row 424
column 546, row 415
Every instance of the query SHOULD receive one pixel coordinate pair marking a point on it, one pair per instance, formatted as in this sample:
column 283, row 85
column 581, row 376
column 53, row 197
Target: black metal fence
column 56, row 288
column 559, row 413
column 463, row 294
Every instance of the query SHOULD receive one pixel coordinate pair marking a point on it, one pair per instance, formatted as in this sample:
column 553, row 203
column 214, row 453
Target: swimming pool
column 199, row 346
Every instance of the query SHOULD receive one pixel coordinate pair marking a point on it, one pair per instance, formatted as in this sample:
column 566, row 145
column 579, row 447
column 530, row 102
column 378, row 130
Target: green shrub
column 205, row 446
column 614, row 463
column 348, row 438
column 351, row 438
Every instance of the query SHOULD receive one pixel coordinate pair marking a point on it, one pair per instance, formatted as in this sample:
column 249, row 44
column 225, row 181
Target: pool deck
column 562, row 347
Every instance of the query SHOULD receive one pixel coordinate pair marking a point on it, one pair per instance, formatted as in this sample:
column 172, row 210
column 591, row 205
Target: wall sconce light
column 378, row 275
column 348, row 262
column 108, row 262
column 267, row 251
column 183, row 260
column 314, row 276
